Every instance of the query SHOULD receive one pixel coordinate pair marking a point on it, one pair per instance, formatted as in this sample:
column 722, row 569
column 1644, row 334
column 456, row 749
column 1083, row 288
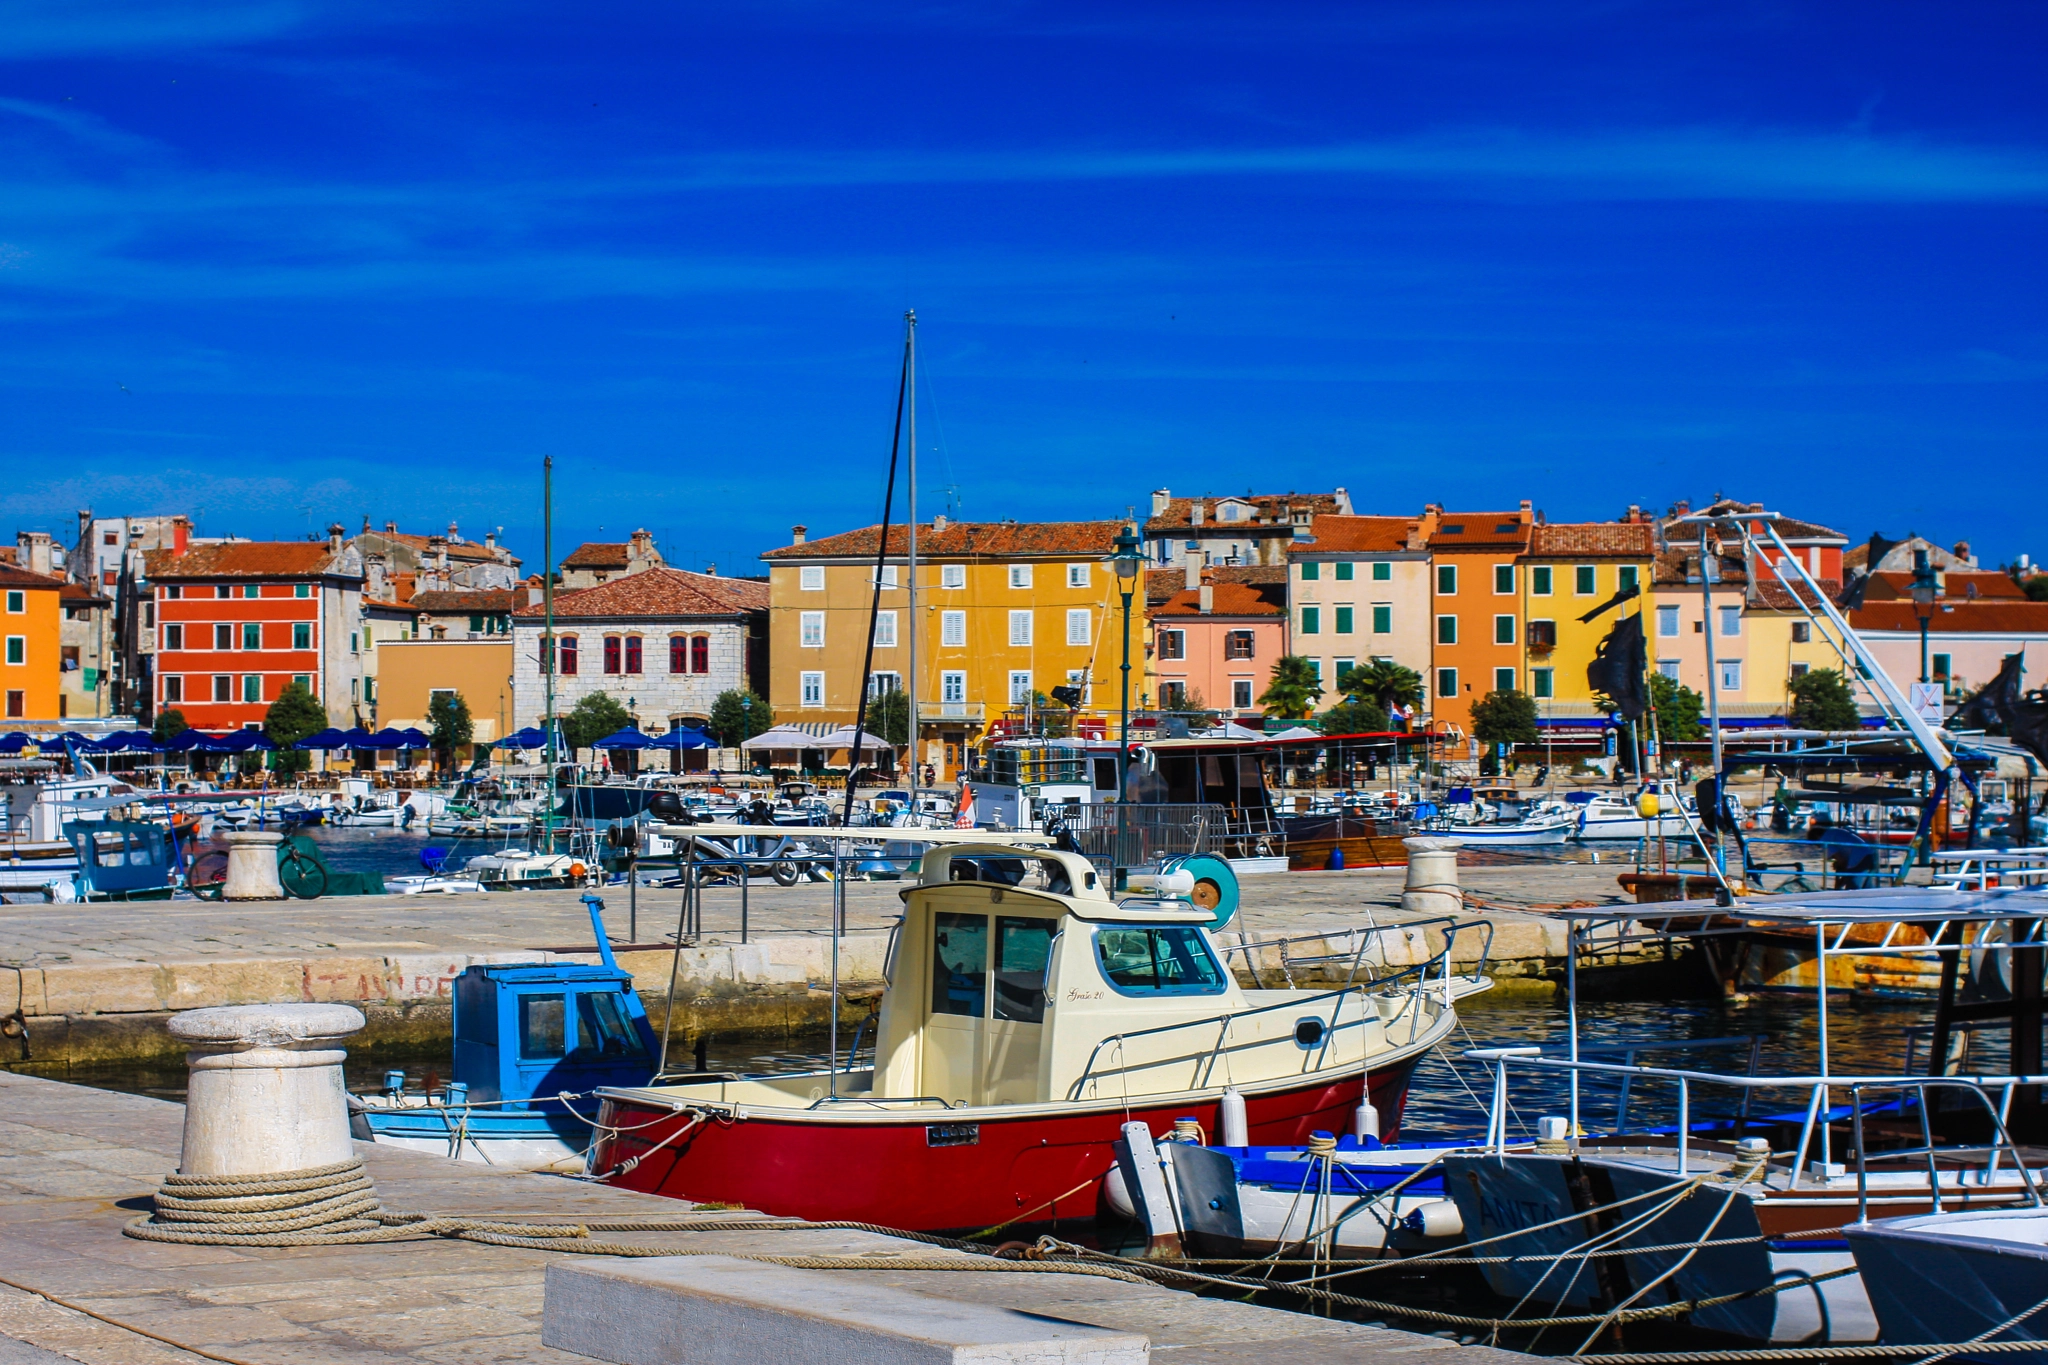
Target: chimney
column 1192, row 563
column 366, row 523
column 711, row 571
column 336, row 533
column 1635, row 513
column 1539, row 516
column 796, row 534
column 1160, row 499
column 491, row 539
column 938, row 523
column 32, row 551
column 374, row 585
column 1343, row 502
column 181, row 536
column 1962, row 552
column 1527, row 507
column 454, row 536
column 84, row 524
column 390, row 528
column 1196, row 515
column 1682, row 508
column 1208, row 598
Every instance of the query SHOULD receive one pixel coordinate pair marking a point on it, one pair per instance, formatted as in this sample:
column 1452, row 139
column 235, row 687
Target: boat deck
column 76, row 1164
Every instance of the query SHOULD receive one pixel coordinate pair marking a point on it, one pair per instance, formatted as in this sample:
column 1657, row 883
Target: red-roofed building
column 598, row 562
column 238, row 622
column 1974, row 622
column 1256, row 528
column 1214, row 643
column 661, row 642
column 1358, row 590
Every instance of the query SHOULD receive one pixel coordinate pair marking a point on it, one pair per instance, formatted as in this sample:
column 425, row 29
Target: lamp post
column 1127, row 564
column 746, row 727
column 1925, row 589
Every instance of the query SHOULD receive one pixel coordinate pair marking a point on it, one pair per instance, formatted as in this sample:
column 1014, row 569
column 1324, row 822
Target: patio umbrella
column 843, row 738
column 330, row 738
column 414, row 739
column 387, row 738
column 243, row 740
column 782, row 737
column 627, row 738
column 683, row 739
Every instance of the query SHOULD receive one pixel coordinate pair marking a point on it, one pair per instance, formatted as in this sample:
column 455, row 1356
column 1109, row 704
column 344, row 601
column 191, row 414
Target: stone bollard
column 265, row 1091
column 252, row 867
column 1432, row 885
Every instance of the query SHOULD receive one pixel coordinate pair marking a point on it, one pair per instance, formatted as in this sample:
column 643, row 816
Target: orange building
column 1475, row 601
column 31, row 642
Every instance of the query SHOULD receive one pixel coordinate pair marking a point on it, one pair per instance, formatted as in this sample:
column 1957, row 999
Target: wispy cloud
column 62, row 28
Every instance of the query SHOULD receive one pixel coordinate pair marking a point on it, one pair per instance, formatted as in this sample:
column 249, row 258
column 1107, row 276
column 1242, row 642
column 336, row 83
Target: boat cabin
column 530, row 1031
column 122, row 859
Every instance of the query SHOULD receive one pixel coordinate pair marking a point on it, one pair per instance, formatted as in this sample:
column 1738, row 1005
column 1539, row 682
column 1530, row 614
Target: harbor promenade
column 96, row 981
column 77, row 1164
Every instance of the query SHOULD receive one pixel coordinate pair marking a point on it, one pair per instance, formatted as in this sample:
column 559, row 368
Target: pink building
column 1975, row 621
column 1214, row 645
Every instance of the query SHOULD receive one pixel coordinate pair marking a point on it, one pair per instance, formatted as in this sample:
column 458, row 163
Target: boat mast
column 915, row 623
column 547, row 636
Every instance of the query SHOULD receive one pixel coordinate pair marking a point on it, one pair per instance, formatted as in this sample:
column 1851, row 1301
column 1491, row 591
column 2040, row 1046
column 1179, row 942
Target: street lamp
column 1925, row 589
column 1127, row 564
column 746, row 726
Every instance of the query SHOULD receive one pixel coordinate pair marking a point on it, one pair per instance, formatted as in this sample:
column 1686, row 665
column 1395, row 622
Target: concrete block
column 720, row 1310
column 236, row 981
column 93, row 988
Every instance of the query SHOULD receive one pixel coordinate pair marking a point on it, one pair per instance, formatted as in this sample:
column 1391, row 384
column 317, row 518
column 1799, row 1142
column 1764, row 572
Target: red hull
column 887, row 1169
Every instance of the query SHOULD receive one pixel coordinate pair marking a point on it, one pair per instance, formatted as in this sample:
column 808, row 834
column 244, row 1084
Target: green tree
column 169, row 725
column 1355, row 715
column 1505, row 716
column 2036, row 587
column 1678, row 711
column 1294, row 689
column 739, row 715
column 1822, row 700
column 596, row 716
column 889, row 717
column 448, row 715
column 294, row 715
column 1382, row 682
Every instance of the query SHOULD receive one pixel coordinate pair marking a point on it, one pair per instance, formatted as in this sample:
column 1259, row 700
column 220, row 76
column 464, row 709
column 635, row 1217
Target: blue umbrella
column 330, row 738
column 243, row 740
column 387, row 738
column 358, row 738
column 683, row 739
column 628, row 738
column 414, row 739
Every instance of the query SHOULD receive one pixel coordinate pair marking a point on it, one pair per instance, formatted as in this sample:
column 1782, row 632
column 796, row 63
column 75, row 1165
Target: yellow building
column 1010, row 611
column 1569, row 569
column 31, row 639
column 411, row 672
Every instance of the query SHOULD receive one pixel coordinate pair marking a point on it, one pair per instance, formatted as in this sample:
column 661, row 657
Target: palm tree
column 1294, row 688
column 1383, row 682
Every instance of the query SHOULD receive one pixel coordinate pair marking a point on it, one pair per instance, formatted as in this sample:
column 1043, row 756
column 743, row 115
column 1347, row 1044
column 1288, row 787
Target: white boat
column 433, row 886
column 1617, row 817
column 511, row 868
column 1535, row 829
column 1947, row 1277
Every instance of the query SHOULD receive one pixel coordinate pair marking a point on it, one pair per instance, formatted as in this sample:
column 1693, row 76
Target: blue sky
column 281, row 263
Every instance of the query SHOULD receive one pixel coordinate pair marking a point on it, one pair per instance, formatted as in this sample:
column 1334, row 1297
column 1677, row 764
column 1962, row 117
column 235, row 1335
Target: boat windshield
column 1164, row 959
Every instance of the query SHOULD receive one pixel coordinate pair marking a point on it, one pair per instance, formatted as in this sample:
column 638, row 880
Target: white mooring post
column 265, row 1091
column 252, row 867
column 1432, row 885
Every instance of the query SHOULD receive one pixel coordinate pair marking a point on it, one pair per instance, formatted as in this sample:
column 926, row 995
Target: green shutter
column 1310, row 571
column 1344, row 571
column 1383, row 620
column 1343, row 620
column 1311, row 620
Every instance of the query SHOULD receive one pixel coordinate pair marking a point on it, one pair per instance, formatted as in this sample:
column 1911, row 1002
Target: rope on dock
column 1980, row 1342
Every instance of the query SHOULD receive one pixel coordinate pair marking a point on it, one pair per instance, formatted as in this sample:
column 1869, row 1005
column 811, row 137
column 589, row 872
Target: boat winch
column 1202, row 879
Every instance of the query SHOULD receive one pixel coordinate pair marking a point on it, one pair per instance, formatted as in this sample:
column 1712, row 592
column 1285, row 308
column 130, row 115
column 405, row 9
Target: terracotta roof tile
column 1179, row 513
column 1227, row 599
column 598, row 554
column 458, row 601
column 2027, row 618
column 1771, row 595
column 1890, row 586
column 1269, row 579
column 1788, row 527
column 457, row 549
column 22, row 578
column 1480, row 530
column 1593, row 539
column 1674, row 567
column 1357, row 535
column 966, row 540
column 656, row 592
column 245, row 559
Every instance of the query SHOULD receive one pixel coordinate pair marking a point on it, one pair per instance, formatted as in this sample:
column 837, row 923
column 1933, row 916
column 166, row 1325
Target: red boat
column 1028, row 1017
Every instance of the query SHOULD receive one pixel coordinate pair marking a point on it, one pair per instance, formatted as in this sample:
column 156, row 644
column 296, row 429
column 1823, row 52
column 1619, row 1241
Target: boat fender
column 1437, row 1218
column 1118, row 1194
column 1365, row 1120
column 1231, row 1126
column 1337, row 858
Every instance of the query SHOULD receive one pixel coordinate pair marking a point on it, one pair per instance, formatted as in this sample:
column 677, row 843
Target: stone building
column 596, row 562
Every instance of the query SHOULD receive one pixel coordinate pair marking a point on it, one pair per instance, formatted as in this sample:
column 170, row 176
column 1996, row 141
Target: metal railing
column 1355, row 956
column 1147, row 833
column 1820, row 1116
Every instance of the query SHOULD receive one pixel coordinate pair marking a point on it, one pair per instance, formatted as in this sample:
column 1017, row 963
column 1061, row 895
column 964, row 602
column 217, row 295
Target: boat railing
column 1818, row 1121
column 1981, row 869
column 1357, row 941
column 1431, row 980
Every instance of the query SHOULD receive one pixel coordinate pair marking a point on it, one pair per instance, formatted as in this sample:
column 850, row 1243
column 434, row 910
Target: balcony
column 951, row 710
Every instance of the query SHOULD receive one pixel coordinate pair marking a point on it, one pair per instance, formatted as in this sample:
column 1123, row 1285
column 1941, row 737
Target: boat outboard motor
column 668, row 808
column 758, row 812
column 1061, row 834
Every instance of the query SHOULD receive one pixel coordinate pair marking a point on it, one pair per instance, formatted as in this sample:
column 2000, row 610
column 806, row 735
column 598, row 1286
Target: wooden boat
column 1027, row 1018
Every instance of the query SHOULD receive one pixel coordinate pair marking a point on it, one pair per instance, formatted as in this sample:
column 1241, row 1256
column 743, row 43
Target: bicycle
column 300, row 873
column 208, row 875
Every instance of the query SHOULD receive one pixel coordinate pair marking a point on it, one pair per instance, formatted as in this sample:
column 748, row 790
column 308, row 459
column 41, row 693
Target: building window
column 1383, row 618
column 885, row 577
column 1078, row 619
column 1447, row 580
column 1173, row 644
column 174, row 688
column 174, row 592
column 1241, row 693
column 353, row 646
column 1382, row 571
column 252, row 687
column 17, row 649
column 811, row 578
column 252, row 635
column 882, row 684
column 1801, row 670
column 1731, row 675
column 223, row 636
column 811, row 689
column 1343, row 622
column 611, row 653
column 302, row 635
column 700, row 653
column 885, row 630
column 953, row 688
column 1939, row 663
column 476, row 625
column 1802, row 631
column 953, row 629
column 952, row 575
column 1584, row 580
column 17, row 602
column 1020, row 575
column 633, row 659
column 678, row 653
column 370, row 691
column 1446, row 683
column 1311, row 621
column 305, row 680
column 1625, row 577
column 1503, row 679
column 17, row 704
column 223, row 687
column 1447, row 630
column 1344, row 571
column 1731, row 620
column 222, row 590
column 111, row 538
column 1543, row 635
column 1020, row 688
column 1667, row 623
column 302, row 589
column 1173, row 694
column 174, row 637
column 1240, row 644
column 1669, row 668
column 1539, row 580
column 252, row 590
column 1540, row 685
column 569, row 651
column 1504, row 580
column 1311, row 571
column 810, row 633
column 1077, row 576
column 1020, row 627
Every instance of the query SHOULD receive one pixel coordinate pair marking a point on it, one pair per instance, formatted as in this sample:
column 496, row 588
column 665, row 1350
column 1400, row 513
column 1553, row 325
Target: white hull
column 506, row 1154
column 1516, row 834
column 1634, row 827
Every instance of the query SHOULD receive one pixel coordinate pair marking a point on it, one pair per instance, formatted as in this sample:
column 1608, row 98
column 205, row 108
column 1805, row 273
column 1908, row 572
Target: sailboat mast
column 915, row 623
column 547, row 635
